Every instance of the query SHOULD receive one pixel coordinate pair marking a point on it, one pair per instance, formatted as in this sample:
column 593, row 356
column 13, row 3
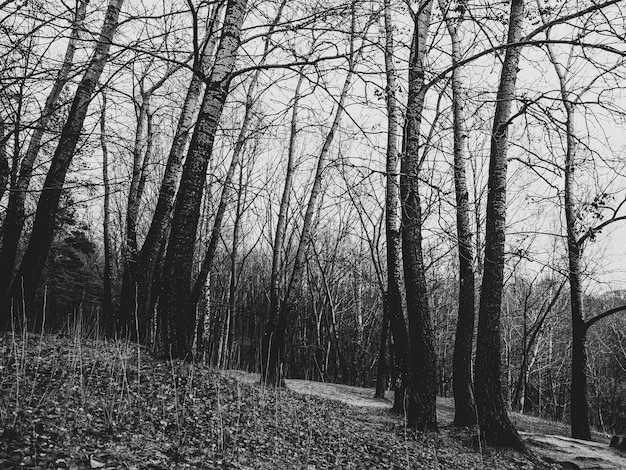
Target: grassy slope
column 66, row 403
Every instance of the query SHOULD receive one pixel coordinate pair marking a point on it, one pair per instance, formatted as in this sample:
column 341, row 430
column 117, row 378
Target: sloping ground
column 559, row 448
column 67, row 403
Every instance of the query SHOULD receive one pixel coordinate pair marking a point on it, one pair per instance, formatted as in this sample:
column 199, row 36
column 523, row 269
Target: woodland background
column 285, row 200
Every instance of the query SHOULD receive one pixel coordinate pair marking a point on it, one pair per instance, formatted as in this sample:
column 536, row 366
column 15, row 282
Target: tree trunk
column 148, row 258
column 237, row 151
column 422, row 390
column 14, row 220
column 176, row 312
column 381, row 370
column 393, row 300
column 462, row 386
column 5, row 168
column 494, row 422
column 232, row 287
column 107, row 304
column 579, row 407
column 43, row 227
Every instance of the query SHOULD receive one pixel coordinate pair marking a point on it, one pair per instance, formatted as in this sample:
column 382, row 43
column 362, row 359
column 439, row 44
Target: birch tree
column 393, row 297
column 465, row 413
column 176, row 312
column 137, row 294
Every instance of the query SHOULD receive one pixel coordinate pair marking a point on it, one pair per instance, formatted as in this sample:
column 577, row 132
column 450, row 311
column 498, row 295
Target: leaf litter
column 67, row 403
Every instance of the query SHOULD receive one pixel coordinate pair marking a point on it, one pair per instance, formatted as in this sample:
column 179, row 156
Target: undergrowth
column 70, row 402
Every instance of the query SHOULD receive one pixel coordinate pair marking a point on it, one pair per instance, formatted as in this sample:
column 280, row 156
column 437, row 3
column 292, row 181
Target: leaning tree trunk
column 15, row 218
column 216, row 231
column 137, row 294
column 393, row 300
column 34, row 259
column 462, row 386
column 176, row 312
column 128, row 317
column 494, row 422
column 422, row 390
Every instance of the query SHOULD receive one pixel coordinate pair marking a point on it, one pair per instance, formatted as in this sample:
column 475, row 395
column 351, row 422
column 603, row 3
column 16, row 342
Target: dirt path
column 583, row 454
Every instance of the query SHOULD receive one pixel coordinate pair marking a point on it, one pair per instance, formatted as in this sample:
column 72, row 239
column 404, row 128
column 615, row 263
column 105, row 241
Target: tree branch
column 592, row 321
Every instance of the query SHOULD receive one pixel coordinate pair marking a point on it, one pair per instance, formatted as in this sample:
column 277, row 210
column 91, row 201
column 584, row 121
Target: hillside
column 67, row 403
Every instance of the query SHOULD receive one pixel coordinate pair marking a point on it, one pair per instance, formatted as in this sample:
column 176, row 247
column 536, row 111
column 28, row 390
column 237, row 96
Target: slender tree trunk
column 494, row 422
column 281, row 228
column 132, row 213
column 5, row 168
column 14, row 220
column 232, row 287
column 134, row 197
column 273, row 342
column 393, row 216
column 579, row 407
column 107, row 305
column 382, row 369
column 43, row 227
column 422, row 390
column 462, row 386
column 176, row 312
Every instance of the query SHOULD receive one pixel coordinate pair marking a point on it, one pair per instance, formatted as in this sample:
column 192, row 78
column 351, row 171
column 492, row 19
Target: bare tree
column 575, row 245
column 15, row 218
column 422, row 389
column 176, row 311
column 32, row 264
column 393, row 308
column 493, row 420
column 273, row 342
column 237, row 151
column 137, row 294
column 463, row 389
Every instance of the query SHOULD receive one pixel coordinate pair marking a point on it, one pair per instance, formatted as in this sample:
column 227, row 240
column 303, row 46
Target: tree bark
column 393, row 216
column 462, row 386
column 421, row 394
column 176, row 311
column 15, row 218
column 494, row 422
column 5, row 168
column 43, row 227
column 216, row 231
column 138, row 290
column 381, row 370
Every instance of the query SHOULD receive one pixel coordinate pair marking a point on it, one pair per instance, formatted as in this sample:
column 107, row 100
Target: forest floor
column 547, row 439
column 71, row 403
